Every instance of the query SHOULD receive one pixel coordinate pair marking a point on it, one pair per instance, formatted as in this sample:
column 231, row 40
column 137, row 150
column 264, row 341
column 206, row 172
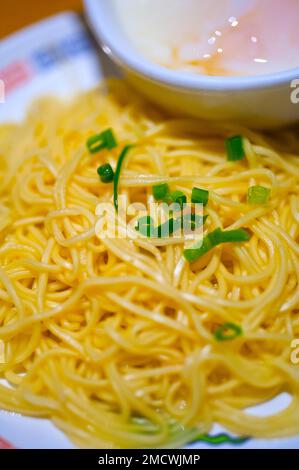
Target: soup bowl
column 260, row 101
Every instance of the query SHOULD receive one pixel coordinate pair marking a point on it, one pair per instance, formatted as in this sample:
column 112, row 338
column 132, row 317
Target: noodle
column 113, row 339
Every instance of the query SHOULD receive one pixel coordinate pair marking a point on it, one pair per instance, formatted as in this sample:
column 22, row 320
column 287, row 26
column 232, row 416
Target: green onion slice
column 160, row 191
column 193, row 221
column 228, row 236
column 121, row 158
column 258, row 195
column 193, row 254
column 168, row 228
column 213, row 239
column 109, row 139
column 104, row 140
column 221, row 438
column 106, row 173
column 189, row 221
column 176, row 197
column 235, row 148
column 228, row 332
column 200, row 196
column 145, row 226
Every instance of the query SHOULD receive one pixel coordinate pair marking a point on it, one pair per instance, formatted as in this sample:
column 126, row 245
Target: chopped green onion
column 193, row 254
column 229, row 236
column 195, row 221
column 160, row 191
column 258, row 195
column 221, row 438
column 200, row 196
column 145, row 226
column 176, row 197
column 109, row 139
column 166, row 229
column 101, row 141
column 106, row 173
column 213, row 239
column 95, row 143
column 172, row 225
column 117, row 173
column 235, row 148
column 228, row 332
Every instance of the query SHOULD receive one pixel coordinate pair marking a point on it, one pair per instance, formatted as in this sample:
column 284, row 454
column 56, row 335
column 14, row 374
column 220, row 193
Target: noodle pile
column 113, row 339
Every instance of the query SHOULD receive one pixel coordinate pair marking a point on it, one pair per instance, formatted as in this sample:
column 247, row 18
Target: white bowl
column 262, row 101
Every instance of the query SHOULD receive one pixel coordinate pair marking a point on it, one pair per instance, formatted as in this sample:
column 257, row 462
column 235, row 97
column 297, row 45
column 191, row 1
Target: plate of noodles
column 115, row 333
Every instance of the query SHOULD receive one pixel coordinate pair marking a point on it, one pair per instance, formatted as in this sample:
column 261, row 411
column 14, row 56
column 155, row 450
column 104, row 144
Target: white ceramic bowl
column 258, row 101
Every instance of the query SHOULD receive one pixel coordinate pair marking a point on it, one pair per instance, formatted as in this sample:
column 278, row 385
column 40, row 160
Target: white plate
column 57, row 57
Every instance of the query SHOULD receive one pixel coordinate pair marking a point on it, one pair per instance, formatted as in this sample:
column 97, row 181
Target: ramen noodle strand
column 114, row 339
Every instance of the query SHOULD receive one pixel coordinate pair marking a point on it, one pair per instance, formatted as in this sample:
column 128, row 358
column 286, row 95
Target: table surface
column 16, row 14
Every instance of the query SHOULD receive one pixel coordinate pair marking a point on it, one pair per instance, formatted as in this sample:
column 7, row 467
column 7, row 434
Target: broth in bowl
column 216, row 38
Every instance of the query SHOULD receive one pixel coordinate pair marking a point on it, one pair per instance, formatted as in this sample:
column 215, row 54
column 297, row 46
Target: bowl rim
column 130, row 58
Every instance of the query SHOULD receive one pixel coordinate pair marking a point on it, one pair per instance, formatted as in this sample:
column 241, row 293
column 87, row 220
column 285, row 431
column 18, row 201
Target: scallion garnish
column 213, row 239
column 104, row 140
column 146, row 228
column 168, row 228
column 229, row 236
column 228, row 332
column 235, row 148
column 145, row 225
column 176, row 197
column 258, row 195
column 106, row 173
column 160, row 191
column 193, row 254
column 221, row 438
column 193, row 221
column 117, row 173
column 109, row 139
column 200, row 196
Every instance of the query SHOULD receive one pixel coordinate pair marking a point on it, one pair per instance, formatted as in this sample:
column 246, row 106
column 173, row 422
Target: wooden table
column 16, row 14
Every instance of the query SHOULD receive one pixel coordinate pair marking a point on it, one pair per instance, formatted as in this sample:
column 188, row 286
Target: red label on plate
column 15, row 74
column 5, row 444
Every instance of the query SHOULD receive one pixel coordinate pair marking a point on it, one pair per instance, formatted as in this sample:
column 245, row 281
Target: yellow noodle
column 112, row 339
